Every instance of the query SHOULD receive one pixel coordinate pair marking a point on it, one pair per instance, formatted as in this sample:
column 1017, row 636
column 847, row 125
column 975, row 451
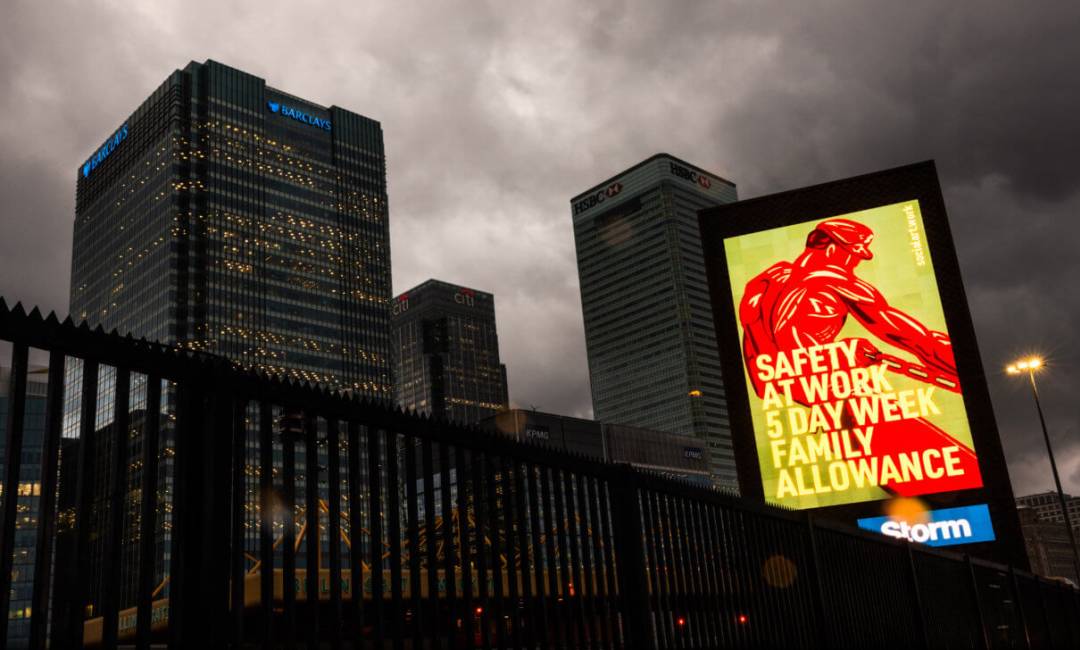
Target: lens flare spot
column 778, row 571
column 910, row 510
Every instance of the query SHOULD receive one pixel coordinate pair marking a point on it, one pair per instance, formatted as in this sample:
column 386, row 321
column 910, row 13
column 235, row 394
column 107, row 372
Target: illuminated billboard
column 849, row 367
column 854, row 381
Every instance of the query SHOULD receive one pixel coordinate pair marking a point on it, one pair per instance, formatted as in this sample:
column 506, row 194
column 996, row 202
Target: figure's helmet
column 851, row 236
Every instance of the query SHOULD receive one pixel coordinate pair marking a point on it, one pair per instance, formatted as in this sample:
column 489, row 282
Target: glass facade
column 447, row 352
column 653, row 358
column 235, row 219
column 29, row 499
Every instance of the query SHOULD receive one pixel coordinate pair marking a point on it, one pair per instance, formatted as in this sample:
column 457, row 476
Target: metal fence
column 187, row 503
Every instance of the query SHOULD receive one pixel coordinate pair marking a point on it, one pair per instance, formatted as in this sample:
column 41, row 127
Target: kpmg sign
column 110, row 146
column 298, row 115
column 944, row 527
column 537, row 432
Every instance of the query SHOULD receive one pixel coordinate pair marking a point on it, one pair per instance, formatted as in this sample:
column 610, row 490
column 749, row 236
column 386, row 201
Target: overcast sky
column 495, row 114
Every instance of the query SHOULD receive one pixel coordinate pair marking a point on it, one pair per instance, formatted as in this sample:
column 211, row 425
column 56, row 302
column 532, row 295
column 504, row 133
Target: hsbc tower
column 653, row 360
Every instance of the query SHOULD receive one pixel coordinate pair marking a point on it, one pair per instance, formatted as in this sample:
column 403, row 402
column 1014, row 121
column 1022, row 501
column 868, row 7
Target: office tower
column 653, row 360
column 229, row 217
column 446, row 352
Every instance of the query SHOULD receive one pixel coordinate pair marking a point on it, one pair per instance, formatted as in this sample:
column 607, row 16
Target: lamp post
column 1030, row 367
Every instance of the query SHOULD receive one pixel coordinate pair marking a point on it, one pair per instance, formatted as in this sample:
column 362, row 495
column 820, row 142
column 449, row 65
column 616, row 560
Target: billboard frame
column 918, row 182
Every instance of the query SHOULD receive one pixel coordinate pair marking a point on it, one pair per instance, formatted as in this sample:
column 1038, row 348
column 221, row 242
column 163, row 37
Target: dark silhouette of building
column 446, row 351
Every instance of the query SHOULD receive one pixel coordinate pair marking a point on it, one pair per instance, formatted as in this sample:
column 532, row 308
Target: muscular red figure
column 805, row 303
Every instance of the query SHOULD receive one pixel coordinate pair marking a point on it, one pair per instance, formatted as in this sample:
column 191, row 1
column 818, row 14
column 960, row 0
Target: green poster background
column 905, row 285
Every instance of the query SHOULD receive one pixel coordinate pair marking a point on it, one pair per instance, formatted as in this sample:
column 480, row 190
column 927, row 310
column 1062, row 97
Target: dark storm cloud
column 494, row 115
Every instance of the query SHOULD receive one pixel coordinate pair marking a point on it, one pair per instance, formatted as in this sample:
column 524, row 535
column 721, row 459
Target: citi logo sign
column 101, row 154
column 298, row 115
column 688, row 174
column 598, row 197
column 401, row 305
column 946, row 527
column 465, row 297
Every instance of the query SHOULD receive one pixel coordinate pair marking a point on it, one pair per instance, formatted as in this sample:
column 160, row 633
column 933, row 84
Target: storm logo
column 948, row 527
column 928, row 532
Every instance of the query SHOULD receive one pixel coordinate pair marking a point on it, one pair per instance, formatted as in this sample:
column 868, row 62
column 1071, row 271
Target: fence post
column 983, row 640
column 916, row 593
column 13, row 443
column 819, row 588
column 1019, row 606
column 1065, row 615
column 630, row 559
column 46, row 532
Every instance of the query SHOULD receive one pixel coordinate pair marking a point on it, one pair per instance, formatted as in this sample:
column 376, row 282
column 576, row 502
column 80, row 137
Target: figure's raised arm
column 896, row 327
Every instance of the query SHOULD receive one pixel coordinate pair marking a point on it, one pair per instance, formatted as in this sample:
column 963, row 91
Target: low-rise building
column 1048, row 547
column 672, row 454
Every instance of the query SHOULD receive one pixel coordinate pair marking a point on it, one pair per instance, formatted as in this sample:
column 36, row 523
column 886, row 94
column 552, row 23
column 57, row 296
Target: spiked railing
column 177, row 519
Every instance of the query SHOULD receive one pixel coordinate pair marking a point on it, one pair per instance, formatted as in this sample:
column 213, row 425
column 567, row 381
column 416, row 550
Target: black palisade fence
column 188, row 503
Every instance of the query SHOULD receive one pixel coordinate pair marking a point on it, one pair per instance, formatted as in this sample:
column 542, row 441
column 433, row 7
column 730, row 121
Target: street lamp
column 1030, row 367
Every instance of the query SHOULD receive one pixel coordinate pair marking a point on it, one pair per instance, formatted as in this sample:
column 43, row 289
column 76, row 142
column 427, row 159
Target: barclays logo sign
column 110, row 146
column 945, row 527
column 299, row 116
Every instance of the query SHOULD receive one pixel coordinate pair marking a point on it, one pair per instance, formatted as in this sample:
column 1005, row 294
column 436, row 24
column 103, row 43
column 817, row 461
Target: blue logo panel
column 110, row 146
column 945, row 527
column 298, row 115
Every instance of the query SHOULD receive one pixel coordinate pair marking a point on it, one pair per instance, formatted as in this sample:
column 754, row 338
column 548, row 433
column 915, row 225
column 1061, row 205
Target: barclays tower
column 228, row 217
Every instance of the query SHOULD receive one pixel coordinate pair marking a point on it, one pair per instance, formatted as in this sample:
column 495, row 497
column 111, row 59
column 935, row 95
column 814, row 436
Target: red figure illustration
column 806, row 303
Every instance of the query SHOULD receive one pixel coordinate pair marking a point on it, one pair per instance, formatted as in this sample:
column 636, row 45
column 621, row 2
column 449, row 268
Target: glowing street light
column 1029, row 367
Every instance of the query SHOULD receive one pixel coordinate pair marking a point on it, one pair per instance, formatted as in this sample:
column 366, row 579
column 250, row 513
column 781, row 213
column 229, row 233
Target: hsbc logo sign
column 688, row 174
column 598, row 197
